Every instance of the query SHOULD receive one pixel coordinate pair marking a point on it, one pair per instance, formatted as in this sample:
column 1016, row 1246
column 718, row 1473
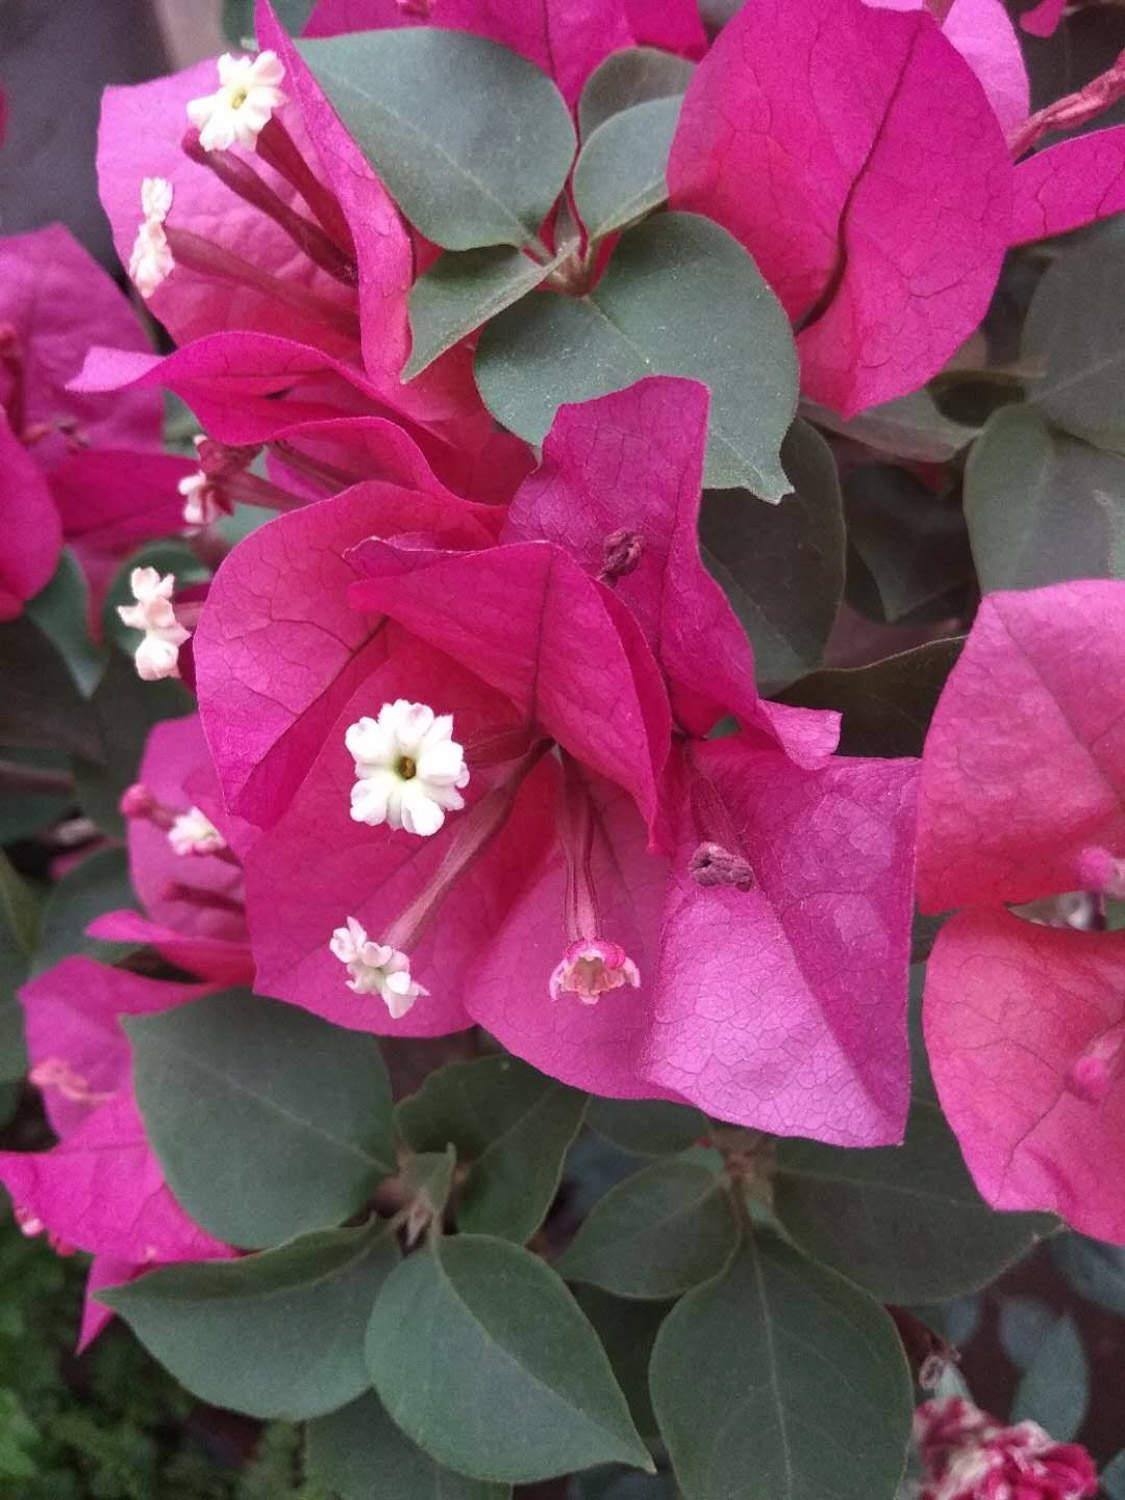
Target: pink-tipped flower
column 158, row 654
column 967, row 1455
column 376, row 968
column 591, row 968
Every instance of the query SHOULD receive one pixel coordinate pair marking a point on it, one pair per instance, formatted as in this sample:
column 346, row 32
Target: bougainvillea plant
column 566, row 850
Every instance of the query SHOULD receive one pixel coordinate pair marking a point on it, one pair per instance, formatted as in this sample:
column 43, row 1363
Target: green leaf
column 41, row 704
column 632, row 76
column 648, row 1127
column 126, row 709
column 272, row 1335
column 359, row 1453
column 473, row 142
column 620, row 174
column 1094, row 1270
column 680, row 297
column 1024, row 1323
column 1055, row 1390
column 20, row 916
column 908, row 547
column 904, row 1222
column 100, row 883
column 780, row 1381
column 621, row 1484
column 485, row 1360
column 512, row 1125
column 887, row 706
column 462, row 290
column 627, row 1329
column 268, row 1121
column 61, row 611
column 1076, row 328
column 910, row 427
column 658, row 1233
column 1113, row 1477
column 1042, row 507
column 782, row 569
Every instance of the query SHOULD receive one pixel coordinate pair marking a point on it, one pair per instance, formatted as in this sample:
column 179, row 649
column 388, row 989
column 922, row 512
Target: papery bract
column 985, row 37
column 1025, row 760
column 30, row 521
column 854, row 154
column 1012, row 1012
column 1021, row 799
column 631, row 465
column 1069, row 184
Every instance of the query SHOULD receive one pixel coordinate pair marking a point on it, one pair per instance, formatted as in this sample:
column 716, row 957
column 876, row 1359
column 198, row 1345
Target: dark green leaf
column 359, row 1453
column 29, row 803
column 1094, row 1270
column 40, row 703
column 912, row 544
column 658, row 1233
column 1113, row 1478
column 886, row 707
column 911, row 427
column 780, row 1381
column 620, row 175
column 627, row 1329
column 615, row 1483
column 100, row 883
column 268, row 1121
column 647, row 1127
column 61, row 611
column 484, row 1359
column 1076, row 329
column 904, row 1222
column 126, row 710
column 512, row 1125
column 957, row 1320
column 1024, row 1323
column 782, row 569
column 632, row 76
column 273, row 1335
column 1042, row 507
column 1055, row 1390
column 680, row 297
column 473, row 142
column 20, row 916
column 462, row 290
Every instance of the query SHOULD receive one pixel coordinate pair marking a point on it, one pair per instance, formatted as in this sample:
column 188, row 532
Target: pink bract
column 854, row 154
column 985, row 37
column 1070, row 184
column 1021, row 799
column 656, row 432
column 1024, row 765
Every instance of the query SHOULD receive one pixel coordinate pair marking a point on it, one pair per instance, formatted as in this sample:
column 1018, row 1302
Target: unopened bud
column 711, row 864
column 621, row 554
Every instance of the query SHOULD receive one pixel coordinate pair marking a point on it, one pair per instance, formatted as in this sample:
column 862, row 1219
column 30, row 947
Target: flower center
column 238, row 97
column 407, row 768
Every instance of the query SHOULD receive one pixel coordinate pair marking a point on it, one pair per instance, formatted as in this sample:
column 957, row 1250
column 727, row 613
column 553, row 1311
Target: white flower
column 376, row 968
column 241, row 106
column 409, row 769
column 194, row 833
column 158, row 655
column 201, row 502
column 151, row 260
